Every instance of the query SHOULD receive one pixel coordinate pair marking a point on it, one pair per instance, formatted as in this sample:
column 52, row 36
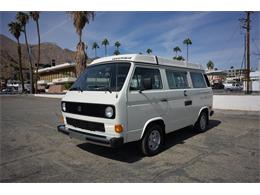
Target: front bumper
column 91, row 138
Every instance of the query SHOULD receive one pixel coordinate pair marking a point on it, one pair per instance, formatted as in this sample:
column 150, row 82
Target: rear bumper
column 91, row 138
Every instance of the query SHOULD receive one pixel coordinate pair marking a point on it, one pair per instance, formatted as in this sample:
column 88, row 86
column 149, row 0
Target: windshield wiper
column 76, row 89
column 106, row 88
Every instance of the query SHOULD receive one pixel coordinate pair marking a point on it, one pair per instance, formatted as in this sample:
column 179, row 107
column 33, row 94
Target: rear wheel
column 202, row 122
column 152, row 141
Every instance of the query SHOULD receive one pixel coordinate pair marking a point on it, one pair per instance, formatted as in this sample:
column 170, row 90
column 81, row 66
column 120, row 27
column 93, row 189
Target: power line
column 258, row 50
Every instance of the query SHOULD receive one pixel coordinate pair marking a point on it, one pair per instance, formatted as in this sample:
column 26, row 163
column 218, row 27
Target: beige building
column 56, row 79
column 216, row 76
column 236, row 74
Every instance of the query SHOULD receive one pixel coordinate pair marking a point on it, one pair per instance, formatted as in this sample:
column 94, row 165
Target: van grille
column 88, row 109
column 92, row 126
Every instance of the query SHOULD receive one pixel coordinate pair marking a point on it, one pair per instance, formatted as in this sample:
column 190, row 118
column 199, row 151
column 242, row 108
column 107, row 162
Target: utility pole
column 247, row 27
column 247, row 52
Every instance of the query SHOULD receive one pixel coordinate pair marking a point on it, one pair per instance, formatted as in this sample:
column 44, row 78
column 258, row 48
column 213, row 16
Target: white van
column 126, row 98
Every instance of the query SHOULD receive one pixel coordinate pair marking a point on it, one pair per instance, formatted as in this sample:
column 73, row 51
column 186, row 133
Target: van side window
column 144, row 73
column 177, row 80
column 197, row 80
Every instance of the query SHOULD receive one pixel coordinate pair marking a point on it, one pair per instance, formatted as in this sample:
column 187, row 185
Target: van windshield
column 103, row 77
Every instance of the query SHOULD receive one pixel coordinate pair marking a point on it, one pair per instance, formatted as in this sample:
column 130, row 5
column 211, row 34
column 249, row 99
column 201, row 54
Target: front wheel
column 202, row 122
column 153, row 140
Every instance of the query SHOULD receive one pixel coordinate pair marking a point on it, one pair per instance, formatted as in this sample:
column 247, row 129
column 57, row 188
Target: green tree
column 210, row 65
column 176, row 50
column 80, row 19
column 179, row 58
column 149, row 51
column 15, row 28
column 23, row 18
column 105, row 42
column 116, row 52
column 187, row 42
column 95, row 46
column 35, row 16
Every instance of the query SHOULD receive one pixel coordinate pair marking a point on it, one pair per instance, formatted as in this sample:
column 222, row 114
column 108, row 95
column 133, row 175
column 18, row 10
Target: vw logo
column 79, row 108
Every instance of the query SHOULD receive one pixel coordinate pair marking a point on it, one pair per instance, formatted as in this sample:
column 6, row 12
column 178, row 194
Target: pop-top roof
column 151, row 59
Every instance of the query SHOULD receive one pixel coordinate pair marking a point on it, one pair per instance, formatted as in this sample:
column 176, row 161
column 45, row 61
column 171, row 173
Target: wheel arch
column 203, row 109
column 156, row 120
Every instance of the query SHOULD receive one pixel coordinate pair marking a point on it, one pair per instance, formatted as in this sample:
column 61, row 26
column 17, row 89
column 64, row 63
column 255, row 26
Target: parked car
column 233, row 87
column 127, row 98
column 217, row 86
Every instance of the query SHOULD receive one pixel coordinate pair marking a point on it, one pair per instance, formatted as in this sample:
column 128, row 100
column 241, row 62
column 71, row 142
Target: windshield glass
column 104, row 77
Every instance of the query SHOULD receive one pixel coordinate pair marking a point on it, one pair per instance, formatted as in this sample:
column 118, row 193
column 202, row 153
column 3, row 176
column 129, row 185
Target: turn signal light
column 118, row 128
column 61, row 119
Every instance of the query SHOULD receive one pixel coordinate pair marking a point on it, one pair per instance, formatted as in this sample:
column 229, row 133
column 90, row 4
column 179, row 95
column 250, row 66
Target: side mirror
column 147, row 84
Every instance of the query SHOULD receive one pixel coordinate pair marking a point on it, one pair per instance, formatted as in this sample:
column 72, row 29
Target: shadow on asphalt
column 131, row 153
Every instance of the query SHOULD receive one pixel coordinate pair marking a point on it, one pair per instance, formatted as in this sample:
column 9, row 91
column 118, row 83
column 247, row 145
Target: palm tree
column 176, row 50
column 117, row 45
column 149, row 51
column 210, row 65
column 23, row 18
column 105, row 42
column 187, row 42
column 80, row 19
column 95, row 46
column 15, row 28
column 35, row 16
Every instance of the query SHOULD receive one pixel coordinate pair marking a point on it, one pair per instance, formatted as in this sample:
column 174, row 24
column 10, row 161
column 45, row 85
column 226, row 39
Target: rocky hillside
column 9, row 56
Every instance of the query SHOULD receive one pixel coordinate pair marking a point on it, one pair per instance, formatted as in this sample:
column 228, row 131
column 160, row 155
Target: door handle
column 185, row 93
column 164, row 100
column 188, row 103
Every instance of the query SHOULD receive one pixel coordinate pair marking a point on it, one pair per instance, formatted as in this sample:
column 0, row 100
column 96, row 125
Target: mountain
column 9, row 56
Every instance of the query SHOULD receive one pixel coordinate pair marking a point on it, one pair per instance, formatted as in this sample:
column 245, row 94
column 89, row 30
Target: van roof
column 151, row 59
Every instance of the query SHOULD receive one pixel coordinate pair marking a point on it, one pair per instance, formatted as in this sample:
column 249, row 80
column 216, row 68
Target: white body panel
column 135, row 110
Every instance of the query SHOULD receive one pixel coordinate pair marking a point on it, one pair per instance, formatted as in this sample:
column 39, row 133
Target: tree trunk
column 38, row 57
column 105, row 50
column 30, row 61
column 187, row 52
column 95, row 52
column 81, row 58
column 20, row 63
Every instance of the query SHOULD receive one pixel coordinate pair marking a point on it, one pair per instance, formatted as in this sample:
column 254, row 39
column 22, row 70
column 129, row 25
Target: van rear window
column 197, row 80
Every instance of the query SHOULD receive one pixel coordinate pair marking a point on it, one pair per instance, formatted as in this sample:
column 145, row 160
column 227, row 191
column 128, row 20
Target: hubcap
column 154, row 140
column 203, row 122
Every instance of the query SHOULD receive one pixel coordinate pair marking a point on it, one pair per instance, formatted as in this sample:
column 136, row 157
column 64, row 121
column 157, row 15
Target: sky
column 216, row 36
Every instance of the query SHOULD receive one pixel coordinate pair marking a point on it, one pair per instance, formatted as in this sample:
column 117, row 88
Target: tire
column 202, row 123
column 153, row 140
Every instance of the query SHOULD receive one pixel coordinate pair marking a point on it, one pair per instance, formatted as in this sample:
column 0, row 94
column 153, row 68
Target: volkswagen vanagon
column 126, row 98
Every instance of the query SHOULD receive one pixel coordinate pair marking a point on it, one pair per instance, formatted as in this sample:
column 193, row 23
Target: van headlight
column 109, row 112
column 63, row 106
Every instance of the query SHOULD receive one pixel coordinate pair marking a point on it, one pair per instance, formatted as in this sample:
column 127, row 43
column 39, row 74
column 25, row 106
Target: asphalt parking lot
column 33, row 151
